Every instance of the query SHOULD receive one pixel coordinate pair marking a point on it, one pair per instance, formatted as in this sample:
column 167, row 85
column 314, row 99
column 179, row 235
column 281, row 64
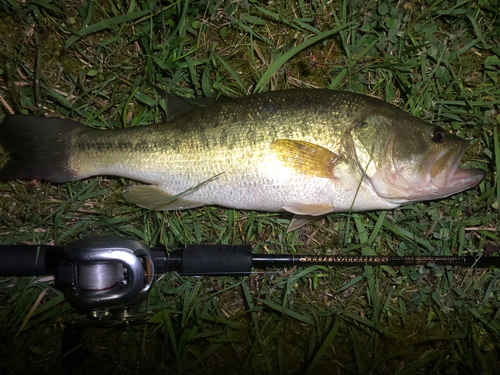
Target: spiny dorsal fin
column 306, row 158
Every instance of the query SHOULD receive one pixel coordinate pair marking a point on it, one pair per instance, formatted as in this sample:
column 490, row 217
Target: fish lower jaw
column 460, row 180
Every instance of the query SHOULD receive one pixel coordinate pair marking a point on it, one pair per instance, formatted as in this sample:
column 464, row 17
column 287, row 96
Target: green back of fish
column 227, row 135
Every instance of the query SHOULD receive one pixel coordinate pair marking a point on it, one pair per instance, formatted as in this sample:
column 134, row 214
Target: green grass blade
column 324, row 346
column 278, row 63
column 300, row 317
column 496, row 142
column 106, row 24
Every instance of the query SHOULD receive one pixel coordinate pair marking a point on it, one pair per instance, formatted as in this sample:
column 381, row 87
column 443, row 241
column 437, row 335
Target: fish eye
column 360, row 123
column 438, row 136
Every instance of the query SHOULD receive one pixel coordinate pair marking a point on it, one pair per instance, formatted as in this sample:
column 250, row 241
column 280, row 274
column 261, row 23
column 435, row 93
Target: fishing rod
column 102, row 274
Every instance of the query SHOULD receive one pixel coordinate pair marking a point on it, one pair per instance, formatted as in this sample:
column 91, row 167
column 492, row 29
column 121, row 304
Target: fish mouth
column 463, row 179
column 439, row 178
column 446, row 178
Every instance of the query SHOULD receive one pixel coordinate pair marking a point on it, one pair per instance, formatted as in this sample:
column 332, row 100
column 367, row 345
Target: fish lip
column 463, row 179
column 449, row 181
column 454, row 179
column 440, row 179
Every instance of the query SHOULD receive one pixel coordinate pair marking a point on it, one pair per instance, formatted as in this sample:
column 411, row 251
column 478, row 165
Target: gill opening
column 364, row 177
column 439, row 163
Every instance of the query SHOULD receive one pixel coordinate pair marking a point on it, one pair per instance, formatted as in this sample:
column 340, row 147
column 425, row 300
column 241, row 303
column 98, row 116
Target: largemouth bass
column 309, row 152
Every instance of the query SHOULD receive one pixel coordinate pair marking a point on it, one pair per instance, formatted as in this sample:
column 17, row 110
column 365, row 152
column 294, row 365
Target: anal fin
column 153, row 197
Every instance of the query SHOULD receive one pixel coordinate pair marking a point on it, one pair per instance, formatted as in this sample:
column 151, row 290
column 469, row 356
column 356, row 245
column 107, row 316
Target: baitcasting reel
column 101, row 275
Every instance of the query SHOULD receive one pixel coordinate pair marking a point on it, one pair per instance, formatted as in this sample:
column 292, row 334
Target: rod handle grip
column 205, row 260
column 28, row 260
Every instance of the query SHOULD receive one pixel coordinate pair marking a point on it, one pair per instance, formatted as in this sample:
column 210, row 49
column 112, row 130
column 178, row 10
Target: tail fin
column 37, row 148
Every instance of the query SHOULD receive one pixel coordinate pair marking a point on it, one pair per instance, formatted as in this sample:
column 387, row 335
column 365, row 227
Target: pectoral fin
column 305, row 214
column 152, row 197
column 308, row 209
column 306, row 158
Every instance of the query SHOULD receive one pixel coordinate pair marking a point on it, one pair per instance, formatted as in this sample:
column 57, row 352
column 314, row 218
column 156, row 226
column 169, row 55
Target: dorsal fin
column 177, row 106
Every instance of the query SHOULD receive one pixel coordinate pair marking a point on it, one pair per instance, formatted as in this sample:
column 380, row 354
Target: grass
column 101, row 63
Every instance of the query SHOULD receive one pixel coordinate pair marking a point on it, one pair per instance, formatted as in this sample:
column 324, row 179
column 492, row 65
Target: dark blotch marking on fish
column 268, row 107
column 105, row 145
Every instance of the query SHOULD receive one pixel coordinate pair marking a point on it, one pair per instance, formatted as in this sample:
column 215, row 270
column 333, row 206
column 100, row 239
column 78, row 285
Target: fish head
column 405, row 159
